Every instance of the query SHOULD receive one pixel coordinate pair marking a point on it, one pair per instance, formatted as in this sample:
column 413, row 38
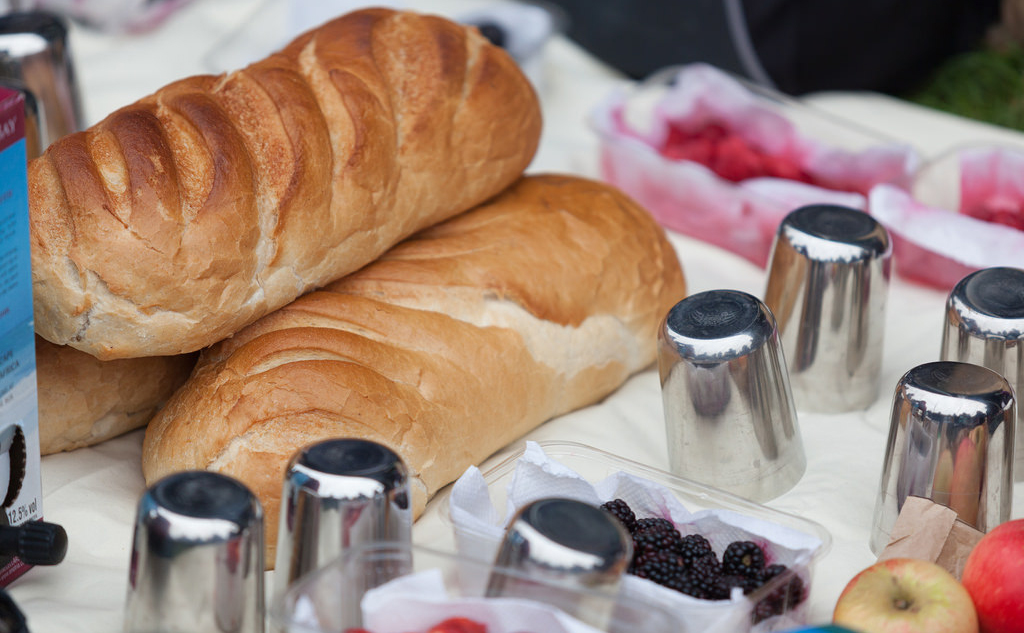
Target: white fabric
column 93, row 492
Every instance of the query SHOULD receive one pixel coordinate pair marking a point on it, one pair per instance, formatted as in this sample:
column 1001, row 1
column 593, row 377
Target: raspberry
column 621, row 511
column 743, row 558
column 697, row 150
column 737, row 161
column 458, row 625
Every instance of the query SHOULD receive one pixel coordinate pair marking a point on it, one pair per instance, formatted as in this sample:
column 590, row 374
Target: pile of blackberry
column 688, row 564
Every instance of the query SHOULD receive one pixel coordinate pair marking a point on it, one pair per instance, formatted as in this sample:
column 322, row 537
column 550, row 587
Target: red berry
column 736, row 161
column 697, row 150
column 458, row 625
column 779, row 167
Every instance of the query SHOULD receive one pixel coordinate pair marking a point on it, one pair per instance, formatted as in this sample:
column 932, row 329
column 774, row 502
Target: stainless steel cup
column 951, row 441
column 729, row 413
column 566, row 553
column 828, row 280
column 985, row 326
column 197, row 557
column 34, row 52
column 339, row 494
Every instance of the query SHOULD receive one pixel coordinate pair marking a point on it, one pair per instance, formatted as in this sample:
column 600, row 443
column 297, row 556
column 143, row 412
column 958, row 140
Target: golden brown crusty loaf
column 455, row 343
column 84, row 401
column 180, row 218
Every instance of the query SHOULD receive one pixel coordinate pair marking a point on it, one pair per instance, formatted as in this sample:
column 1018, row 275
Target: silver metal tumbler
column 340, row 494
column 950, row 440
column 729, row 413
column 566, row 553
column 985, row 326
column 34, row 52
column 828, row 280
column 197, row 557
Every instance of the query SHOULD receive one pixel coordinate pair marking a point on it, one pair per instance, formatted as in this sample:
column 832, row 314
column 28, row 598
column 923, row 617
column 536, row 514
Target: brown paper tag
column 929, row 531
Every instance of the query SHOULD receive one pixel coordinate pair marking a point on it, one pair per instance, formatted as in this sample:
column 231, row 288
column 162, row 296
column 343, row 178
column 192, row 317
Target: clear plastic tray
column 949, row 225
column 841, row 160
column 329, row 599
column 595, row 465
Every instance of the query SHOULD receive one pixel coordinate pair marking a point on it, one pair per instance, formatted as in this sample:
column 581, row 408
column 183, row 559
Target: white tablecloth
column 93, row 492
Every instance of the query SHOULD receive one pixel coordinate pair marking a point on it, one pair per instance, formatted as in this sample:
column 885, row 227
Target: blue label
column 15, row 256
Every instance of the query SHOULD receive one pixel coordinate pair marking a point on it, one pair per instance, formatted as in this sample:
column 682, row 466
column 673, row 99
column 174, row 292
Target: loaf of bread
column 180, row 218
column 84, row 401
column 455, row 343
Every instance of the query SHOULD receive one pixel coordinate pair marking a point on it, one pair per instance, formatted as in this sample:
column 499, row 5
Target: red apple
column 905, row 595
column 994, row 577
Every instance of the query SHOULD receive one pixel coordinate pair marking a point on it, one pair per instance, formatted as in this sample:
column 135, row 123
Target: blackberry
column 678, row 583
column 693, row 546
column 723, row 586
column 771, row 571
column 689, row 565
column 654, row 535
column 792, row 592
column 659, row 566
column 621, row 511
column 706, row 566
column 699, row 585
column 654, row 523
column 780, row 599
column 762, row 611
column 727, row 581
column 743, row 558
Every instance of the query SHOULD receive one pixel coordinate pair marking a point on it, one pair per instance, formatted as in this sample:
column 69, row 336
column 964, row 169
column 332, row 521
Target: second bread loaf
column 453, row 344
column 178, row 219
column 84, row 401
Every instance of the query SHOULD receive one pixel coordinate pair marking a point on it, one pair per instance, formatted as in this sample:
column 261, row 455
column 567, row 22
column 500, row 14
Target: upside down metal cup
column 729, row 413
column 340, row 494
column 563, row 552
column 197, row 557
column 828, row 280
column 950, row 440
column 985, row 326
column 34, row 53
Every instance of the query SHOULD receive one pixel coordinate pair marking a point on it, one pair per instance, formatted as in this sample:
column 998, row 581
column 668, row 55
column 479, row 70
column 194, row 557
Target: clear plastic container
column 761, row 155
column 331, row 599
column 741, row 616
column 965, row 212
